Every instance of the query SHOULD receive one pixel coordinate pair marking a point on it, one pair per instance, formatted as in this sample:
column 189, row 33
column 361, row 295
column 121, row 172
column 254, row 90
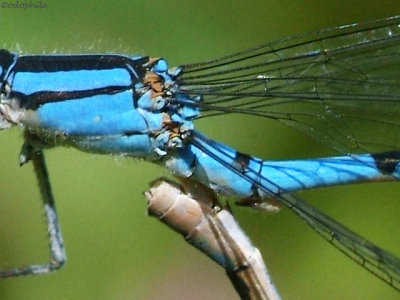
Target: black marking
column 387, row 162
column 56, row 63
column 33, row 101
column 130, row 133
column 7, row 60
column 242, row 160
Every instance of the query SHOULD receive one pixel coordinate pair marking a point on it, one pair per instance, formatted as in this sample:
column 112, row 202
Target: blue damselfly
column 267, row 82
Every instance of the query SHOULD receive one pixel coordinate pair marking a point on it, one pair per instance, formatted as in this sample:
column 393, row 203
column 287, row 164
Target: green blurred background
column 115, row 251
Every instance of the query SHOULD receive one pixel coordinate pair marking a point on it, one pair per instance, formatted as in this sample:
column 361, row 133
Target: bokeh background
column 115, row 251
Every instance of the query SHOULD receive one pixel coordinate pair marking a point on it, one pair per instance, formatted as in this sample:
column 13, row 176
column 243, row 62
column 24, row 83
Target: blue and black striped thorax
column 98, row 103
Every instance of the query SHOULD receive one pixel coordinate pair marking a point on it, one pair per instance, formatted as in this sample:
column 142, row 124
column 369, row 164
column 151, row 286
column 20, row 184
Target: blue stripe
column 97, row 115
column 62, row 81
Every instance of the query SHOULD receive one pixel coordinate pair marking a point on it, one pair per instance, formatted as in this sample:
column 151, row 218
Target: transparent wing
column 374, row 259
column 340, row 85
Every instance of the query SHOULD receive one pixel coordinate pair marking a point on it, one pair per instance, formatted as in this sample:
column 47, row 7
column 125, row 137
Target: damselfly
column 340, row 86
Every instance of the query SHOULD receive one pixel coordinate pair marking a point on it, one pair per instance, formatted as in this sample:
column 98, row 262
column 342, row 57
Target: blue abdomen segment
column 207, row 161
column 289, row 176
